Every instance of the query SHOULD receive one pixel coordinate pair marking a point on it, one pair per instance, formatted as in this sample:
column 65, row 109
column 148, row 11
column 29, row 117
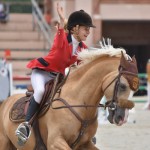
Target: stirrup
column 22, row 133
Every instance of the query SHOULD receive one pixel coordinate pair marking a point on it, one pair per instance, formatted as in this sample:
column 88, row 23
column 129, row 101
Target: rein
column 79, row 106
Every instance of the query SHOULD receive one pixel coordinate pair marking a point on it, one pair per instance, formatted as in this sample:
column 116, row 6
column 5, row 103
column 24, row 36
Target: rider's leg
column 32, row 109
column 23, row 130
column 38, row 79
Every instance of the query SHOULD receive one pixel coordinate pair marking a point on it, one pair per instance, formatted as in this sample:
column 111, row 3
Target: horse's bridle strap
column 120, row 73
column 110, row 83
column 114, row 99
column 128, row 73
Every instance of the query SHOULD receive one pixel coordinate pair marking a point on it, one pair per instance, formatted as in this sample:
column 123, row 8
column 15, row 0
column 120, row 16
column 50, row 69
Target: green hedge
column 19, row 6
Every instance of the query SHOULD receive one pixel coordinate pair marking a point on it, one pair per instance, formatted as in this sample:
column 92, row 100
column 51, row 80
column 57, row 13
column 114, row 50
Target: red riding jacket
column 60, row 55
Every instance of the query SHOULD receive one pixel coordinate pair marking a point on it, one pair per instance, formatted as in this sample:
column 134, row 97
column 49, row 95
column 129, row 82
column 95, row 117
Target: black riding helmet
column 79, row 18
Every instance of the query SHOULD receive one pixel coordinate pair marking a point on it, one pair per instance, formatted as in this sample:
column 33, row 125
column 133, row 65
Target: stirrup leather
column 22, row 133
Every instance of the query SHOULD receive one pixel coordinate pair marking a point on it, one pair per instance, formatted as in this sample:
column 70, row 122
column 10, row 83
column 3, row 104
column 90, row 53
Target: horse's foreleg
column 88, row 146
column 58, row 144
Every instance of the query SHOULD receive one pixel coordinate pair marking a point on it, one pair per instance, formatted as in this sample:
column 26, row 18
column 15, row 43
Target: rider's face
column 83, row 32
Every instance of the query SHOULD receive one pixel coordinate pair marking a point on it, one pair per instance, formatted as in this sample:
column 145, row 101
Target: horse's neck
column 84, row 86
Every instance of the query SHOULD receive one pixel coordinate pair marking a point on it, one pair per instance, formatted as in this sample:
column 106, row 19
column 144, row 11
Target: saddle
column 19, row 109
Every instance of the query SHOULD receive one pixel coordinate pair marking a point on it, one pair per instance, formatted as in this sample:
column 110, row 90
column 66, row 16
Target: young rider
column 62, row 54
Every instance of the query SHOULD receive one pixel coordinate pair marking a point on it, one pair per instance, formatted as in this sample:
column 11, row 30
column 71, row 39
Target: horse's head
column 107, row 71
column 118, row 87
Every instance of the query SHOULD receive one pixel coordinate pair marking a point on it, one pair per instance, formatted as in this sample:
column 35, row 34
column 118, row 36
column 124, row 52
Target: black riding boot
column 32, row 109
column 23, row 131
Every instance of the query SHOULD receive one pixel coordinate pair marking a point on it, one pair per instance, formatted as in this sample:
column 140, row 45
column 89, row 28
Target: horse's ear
column 134, row 62
column 130, row 66
column 134, row 59
column 126, row 64
column 123, row 61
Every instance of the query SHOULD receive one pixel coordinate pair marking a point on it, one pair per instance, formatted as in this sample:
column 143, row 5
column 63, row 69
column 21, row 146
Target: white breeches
column 38, row 80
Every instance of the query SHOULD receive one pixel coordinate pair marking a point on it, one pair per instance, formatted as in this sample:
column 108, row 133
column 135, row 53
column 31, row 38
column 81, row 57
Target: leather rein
column 110, row 104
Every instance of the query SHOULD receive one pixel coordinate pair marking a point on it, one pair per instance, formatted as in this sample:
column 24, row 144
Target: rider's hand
column 61, row 15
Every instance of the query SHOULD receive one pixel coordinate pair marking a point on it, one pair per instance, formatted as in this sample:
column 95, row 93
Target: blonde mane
column 88, row 55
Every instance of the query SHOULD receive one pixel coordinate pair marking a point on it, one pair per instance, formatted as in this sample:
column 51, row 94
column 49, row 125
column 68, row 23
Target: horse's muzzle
column 118, row 116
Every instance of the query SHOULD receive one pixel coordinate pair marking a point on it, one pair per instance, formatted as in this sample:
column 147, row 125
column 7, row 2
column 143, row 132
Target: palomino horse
column 101, row 72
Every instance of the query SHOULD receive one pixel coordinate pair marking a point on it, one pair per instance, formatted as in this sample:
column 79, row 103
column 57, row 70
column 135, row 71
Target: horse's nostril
column 119, row 118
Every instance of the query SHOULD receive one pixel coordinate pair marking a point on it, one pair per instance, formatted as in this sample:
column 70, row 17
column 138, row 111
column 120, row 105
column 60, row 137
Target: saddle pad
column 17, row 112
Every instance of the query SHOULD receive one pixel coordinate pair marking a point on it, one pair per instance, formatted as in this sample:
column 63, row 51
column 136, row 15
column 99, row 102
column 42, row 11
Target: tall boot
column 23, row 131
column 32, row 109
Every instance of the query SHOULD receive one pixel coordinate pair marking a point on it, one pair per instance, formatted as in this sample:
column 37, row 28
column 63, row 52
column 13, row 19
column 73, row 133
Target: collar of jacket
column 70, row 40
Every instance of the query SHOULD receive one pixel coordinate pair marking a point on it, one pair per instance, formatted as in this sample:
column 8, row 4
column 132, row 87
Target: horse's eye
column 122, row 87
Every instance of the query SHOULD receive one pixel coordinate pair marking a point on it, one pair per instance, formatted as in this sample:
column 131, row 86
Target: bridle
column 112, row 104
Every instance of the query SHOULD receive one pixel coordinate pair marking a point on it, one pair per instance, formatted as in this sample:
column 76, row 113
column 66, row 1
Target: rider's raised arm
column 61, row 16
